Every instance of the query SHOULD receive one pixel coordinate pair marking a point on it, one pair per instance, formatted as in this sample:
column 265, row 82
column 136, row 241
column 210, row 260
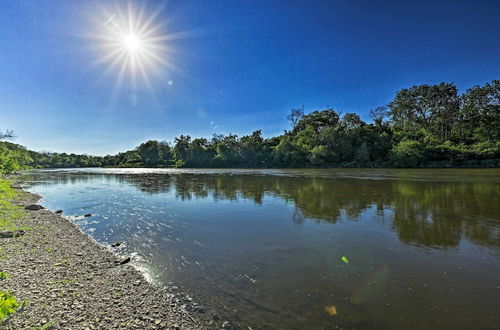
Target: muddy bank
column 70, row 282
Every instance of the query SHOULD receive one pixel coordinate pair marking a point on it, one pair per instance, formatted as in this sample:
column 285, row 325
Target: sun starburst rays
column 132, row 44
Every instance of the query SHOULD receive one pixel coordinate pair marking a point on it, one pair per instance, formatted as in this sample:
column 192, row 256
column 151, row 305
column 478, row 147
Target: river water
column 303, row 249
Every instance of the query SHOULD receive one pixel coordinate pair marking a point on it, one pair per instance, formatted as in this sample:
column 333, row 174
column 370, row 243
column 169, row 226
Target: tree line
column 423, row 126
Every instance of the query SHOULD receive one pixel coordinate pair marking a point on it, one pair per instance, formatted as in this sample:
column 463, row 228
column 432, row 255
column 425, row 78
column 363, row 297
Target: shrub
column 8, row 305
column 407, row 153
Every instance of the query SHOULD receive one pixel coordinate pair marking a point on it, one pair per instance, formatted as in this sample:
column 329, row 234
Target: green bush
column 8, row 305
column 484, row 154
column 407, row 153
column 8, row 162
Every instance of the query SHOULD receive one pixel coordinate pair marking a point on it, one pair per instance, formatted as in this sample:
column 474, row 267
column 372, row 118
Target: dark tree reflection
column 435, row 214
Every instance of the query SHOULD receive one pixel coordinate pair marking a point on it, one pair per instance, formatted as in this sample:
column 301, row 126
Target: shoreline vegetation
column 430, row 126
column 53, row 276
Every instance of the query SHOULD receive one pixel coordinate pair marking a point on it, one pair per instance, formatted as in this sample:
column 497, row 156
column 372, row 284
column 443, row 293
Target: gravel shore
column 68, row 281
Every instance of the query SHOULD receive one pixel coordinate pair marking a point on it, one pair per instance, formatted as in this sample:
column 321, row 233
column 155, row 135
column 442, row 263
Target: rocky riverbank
column 68, row 281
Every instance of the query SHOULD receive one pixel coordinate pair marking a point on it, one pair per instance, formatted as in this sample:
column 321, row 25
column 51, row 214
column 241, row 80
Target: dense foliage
column 424, row 126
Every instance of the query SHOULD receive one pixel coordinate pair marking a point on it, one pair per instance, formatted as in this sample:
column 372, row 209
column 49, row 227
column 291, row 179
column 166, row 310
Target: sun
column 131, row 41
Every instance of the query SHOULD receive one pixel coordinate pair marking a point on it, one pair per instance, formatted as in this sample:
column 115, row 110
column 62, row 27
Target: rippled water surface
column 304, row 249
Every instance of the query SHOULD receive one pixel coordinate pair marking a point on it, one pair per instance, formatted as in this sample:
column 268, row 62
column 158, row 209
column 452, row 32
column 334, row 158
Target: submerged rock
column 87, row 215
column 34, row 207
column 10, row 234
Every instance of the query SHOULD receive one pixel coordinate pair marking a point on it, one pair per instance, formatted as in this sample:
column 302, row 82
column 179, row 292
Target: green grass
column 8, row 214
column 8, row 211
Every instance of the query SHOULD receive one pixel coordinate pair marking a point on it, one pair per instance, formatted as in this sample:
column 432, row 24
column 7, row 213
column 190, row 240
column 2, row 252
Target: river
column 303, row 249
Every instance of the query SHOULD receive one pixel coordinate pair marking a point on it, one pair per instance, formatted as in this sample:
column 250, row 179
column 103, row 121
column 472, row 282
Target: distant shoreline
column 497, row 166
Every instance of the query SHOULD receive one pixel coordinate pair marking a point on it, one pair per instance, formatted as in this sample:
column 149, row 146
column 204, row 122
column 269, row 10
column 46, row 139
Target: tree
column 378, row 115
column 352, row 121
column 288, row 154
column 425, row 112
column 200, row 153
column 480, row 113
column 152, row 152
column 227, row 151
column 318, row 120
column 253, row 150
column 181, row 150
column 7, row 135
column 295, row 116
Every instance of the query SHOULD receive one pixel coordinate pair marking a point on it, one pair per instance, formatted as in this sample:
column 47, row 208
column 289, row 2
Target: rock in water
column 58, row 212
column 87, row 215
column 117, row 244
column 124, row 261
column 34, row 207
column 10, row 234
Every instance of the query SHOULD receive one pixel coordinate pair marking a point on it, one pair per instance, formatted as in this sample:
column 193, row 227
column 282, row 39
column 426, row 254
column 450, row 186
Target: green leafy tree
column 181, row 150
column 200, row 153
column 426, row 112
column 480, row 113
column 227, row 150
column 253, row 150
column 318, row 120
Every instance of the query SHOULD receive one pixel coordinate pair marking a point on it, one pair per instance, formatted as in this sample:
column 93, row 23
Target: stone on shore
column 10, row 234
column 34, row 207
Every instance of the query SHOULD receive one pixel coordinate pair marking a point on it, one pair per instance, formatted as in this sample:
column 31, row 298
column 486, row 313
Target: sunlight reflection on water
column 272, row 248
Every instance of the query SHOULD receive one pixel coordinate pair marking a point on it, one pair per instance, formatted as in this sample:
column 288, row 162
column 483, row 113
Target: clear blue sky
column 239, row 65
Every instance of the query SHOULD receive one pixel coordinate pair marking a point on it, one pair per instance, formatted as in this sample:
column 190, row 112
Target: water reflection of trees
column 435, row 214
column 425, row 213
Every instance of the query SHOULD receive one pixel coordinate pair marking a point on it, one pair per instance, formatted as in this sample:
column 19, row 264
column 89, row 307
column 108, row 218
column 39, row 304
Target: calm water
column 304, row 249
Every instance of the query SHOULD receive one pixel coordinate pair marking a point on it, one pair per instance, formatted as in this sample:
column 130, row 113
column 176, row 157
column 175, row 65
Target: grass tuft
column 8, row 211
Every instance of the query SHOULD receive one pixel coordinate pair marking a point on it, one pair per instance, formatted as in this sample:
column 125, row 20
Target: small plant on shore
column 8, row 305
column 4, row 275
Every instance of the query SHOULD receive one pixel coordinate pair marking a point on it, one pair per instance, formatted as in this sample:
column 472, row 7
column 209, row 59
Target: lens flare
column 376, row 277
